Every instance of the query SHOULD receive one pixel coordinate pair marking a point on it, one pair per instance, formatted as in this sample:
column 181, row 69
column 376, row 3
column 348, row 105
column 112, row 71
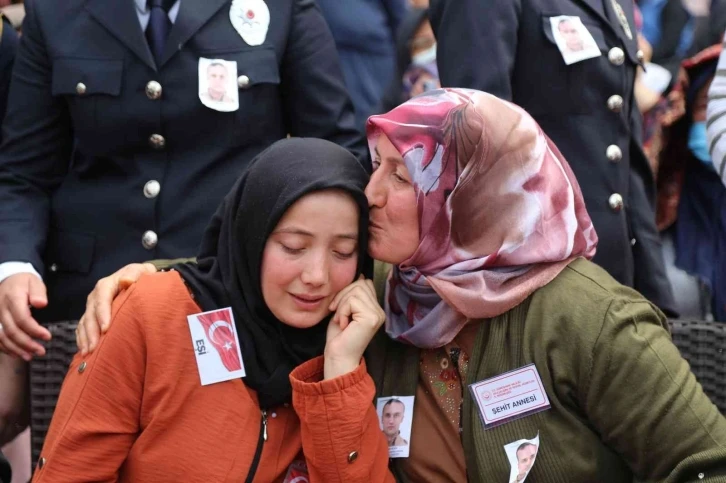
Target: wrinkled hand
column 358, row 316
column 97, row 318
column 17, row 294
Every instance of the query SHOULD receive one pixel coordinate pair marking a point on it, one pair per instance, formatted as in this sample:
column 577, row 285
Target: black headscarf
column 227, row 273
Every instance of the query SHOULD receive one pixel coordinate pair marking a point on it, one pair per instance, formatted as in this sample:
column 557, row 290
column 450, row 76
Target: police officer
column 111, row 154
column 571, row 64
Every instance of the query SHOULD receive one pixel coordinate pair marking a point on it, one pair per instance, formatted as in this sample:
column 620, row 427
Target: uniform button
column 274, row 415
column 614, row 153
column 82, row 367
column 701, row 476
column 615, row 103
column 54, row 267
column 640, row 55
column 616, row 202
column 81, row 88
column 153, row 90
column 41, row 463
column 152, row 189
column 157, row 141
column 616, row 56
column 149, row 240
column 243, row 81
column 352, row 456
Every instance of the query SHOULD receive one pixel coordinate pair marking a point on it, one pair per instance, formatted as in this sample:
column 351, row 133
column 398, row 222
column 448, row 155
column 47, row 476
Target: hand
column 97, row 318
column 358, row 316
column 13, row 397
column 17, row 294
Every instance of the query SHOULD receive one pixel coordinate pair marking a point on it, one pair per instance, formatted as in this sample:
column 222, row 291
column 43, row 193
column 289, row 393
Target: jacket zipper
column 258, row 451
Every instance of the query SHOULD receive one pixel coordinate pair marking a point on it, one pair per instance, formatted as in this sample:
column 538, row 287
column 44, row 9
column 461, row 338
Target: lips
column 307, row 302
column 372, row 224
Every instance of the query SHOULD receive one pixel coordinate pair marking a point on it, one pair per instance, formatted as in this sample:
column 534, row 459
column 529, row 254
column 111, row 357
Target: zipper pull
column 264, row 424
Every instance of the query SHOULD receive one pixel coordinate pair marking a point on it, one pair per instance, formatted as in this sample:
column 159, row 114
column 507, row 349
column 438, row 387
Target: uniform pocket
column 89, row 86
column 260, row 98
column 70, row 251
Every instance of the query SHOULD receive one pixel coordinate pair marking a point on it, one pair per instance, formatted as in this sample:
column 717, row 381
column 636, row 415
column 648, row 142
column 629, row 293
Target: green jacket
column 625, row 405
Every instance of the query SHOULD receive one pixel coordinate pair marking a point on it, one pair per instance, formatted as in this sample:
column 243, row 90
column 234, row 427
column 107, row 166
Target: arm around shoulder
column 645, row 402
column 96, row 420
column 342, row 439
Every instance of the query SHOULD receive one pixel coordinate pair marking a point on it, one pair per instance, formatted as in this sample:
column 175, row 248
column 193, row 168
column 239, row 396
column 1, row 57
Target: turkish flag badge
column 216, row 346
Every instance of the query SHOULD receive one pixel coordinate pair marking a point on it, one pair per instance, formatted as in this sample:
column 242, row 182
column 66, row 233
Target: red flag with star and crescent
column 218, row 327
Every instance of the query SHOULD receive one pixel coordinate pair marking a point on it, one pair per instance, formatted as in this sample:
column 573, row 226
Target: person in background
column 588, row 108
column 110, row 156
column 416, row 60
column 365, row 34
column 716, row 118
column 699, row 231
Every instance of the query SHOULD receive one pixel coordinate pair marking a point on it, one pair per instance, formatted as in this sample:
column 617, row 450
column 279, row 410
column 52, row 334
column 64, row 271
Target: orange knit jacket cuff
column 307, row 378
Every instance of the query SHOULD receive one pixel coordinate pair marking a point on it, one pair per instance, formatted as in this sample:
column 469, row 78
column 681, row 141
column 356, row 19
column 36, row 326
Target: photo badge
column 218, row 84
column 573, row 39
column 521, row 455
column 395, row 415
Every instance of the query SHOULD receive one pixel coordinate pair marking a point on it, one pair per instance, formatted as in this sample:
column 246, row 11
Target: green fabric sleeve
column 381, row 271
column 646, row 404
column 164, row 264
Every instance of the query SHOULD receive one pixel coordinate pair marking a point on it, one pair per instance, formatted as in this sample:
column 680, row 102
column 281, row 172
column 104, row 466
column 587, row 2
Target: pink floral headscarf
column 500, row 212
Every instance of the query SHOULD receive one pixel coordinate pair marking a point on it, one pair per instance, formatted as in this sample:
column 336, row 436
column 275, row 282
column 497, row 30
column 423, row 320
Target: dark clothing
column 364, row 33
column 6, row 474
column 8, row 48
column 700, row 231
column 86, row 131
column 230, row 260
column 518, row 60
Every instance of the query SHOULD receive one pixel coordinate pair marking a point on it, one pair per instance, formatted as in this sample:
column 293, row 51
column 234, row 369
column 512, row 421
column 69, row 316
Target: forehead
column 324, row 211
column 217, row 67
column 394, row 406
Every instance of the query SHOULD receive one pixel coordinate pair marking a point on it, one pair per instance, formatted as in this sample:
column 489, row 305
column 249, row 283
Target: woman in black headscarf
column 153, row 403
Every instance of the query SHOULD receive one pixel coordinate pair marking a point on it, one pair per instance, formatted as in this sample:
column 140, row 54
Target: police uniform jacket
column 588, row 109
column 109, row 158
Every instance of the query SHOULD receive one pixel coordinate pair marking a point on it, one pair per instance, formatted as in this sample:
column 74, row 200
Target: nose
column 375, row 191
column 316, row 269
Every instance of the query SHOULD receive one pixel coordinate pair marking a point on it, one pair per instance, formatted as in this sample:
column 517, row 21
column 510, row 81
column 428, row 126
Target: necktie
column 159, row 26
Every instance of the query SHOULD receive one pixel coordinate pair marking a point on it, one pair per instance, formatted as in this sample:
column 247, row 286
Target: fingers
column 10, row 347
column 361, row 282
column 82, row 338
column 37, row 295
column 20, row 327
column 360, row 302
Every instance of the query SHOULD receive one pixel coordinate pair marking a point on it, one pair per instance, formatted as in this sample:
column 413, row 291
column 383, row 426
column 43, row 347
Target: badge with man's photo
column 216, row 346
column 521, row 455
column 573, row 39
column 218, row 84
column 395, row 414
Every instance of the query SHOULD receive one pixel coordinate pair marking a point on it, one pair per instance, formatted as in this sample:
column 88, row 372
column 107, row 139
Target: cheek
column 277, row 272
column 342, row 274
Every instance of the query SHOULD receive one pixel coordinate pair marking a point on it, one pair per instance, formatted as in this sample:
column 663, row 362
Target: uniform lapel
column 120, row 19
column 193, row 14
column 597, row 8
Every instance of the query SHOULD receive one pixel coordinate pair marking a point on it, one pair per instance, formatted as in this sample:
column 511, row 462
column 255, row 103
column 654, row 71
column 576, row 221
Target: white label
column 510, row 396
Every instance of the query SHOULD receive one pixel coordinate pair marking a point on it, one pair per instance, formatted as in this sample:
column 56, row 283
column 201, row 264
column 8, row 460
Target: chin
column 379, row 253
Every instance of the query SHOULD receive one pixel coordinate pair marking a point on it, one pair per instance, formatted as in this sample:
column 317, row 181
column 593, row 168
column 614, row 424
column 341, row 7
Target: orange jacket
column 135, row 410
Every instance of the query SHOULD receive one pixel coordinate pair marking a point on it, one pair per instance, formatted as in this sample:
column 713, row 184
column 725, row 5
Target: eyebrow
column 298, row 231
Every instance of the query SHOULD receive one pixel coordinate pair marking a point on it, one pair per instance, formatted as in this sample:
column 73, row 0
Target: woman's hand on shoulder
column 357, row 318
column 97, row 318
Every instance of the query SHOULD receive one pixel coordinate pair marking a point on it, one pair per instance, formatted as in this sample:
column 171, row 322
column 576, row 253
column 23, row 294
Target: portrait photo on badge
column 573, row 39
column 395, row 414
column 218, row 84
column 521, row 455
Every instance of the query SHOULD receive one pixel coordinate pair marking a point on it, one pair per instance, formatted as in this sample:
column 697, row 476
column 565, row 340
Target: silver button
column 243, row 81
column 701, row 476
column 152, row 189
column 82, row 367
column 616, row 56
column 157, row 141
column 615, row 103
column 54, row 267
column 149, row 240
column 274, row 415
column 41, row 463
column 81, row 88
column 153, row 90
column 614, row 153
column 640, row 55
column 352, row 456
column 616, row 202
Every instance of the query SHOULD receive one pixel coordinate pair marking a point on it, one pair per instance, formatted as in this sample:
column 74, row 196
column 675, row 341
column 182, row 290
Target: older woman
column 487, row 232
